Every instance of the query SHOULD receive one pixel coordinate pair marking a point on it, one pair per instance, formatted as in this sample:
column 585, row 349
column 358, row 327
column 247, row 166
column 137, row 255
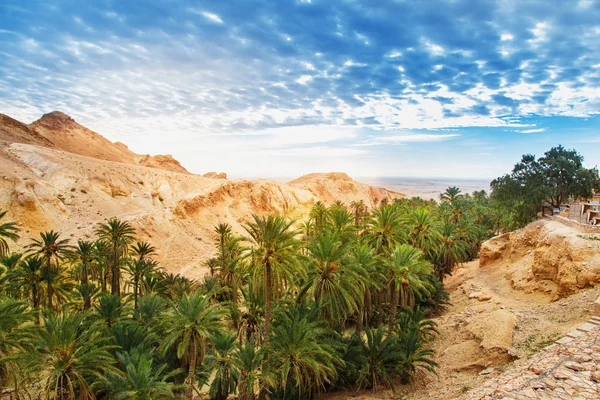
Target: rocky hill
column 57, row 174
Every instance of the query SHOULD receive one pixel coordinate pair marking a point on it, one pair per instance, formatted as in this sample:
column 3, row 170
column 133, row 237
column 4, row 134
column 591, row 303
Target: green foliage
column 549, row 181
column 285, row 313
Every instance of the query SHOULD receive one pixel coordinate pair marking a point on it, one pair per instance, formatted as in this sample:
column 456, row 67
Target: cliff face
column 56, row 174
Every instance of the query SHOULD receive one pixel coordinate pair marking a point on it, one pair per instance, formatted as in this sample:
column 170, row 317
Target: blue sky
column 282, row 88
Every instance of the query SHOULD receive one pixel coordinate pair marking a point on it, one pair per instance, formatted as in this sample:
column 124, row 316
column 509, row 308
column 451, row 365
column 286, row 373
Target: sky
column 280, row 88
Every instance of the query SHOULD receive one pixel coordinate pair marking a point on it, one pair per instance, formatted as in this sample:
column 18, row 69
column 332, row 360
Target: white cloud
column 536, row 130
column 418, row 138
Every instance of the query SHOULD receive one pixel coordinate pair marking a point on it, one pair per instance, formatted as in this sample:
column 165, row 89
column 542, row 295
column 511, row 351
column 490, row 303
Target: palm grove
column 342, row 300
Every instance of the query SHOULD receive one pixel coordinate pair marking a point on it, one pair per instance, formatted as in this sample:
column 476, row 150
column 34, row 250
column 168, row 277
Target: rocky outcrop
column 333, row 186
column 546, row 256
column 163, row 161
column 214, row 175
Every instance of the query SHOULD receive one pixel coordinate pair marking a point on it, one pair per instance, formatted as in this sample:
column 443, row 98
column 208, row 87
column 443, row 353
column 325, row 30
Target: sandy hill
column 60, row 131
column 336, row 185
column 80, row 178
column 15, row 131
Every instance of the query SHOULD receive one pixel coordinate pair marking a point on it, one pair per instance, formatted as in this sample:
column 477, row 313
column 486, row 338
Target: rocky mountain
column 57, row 174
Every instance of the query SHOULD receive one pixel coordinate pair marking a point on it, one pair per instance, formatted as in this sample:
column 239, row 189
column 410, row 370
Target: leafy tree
column 552, row 180
column 451, row 194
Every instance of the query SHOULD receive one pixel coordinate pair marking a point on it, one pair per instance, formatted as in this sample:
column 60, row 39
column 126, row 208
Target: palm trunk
column 116, row 276
column 84, row 282
column 135, row 293
column 393, row 308
column 49, row 282
column 192, row 372
column 104, row 273
column 267, row 290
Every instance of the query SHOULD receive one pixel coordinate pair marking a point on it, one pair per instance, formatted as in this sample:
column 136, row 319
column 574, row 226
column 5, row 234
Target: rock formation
column 546, row 256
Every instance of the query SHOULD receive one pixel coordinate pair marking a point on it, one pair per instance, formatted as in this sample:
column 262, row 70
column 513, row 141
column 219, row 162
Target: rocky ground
column 568, row 369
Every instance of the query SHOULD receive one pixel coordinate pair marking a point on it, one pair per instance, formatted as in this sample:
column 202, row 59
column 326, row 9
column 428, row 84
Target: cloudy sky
column 277, row 88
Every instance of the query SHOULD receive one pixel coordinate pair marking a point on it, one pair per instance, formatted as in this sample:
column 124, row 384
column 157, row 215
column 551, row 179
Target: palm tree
column 8, row 230
column 451, row 194
column 69, row 358
column 340, row 221
column 363, row 258
column 452, row 250
column 301, row 358
column 358, row 208
column 84, row 254
column 318, row 213
column 274, row 248
column 103, row 256
column 137, row 269
column 150, row 309
column 414, row 356
column 335, row 286
column 254, row 379
column 408, row 272
column 252, row 315
column 190, row 325
column 143, row 250
column 142, row 379
column 109, row 311
column 118, row 234
column 14, row 342
column 10, row 262
column 28, row 276
column 384, row 229
column 382, row 355
column 228, row 259
column 424, row 230
column 51, row 248
column 221, row 362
